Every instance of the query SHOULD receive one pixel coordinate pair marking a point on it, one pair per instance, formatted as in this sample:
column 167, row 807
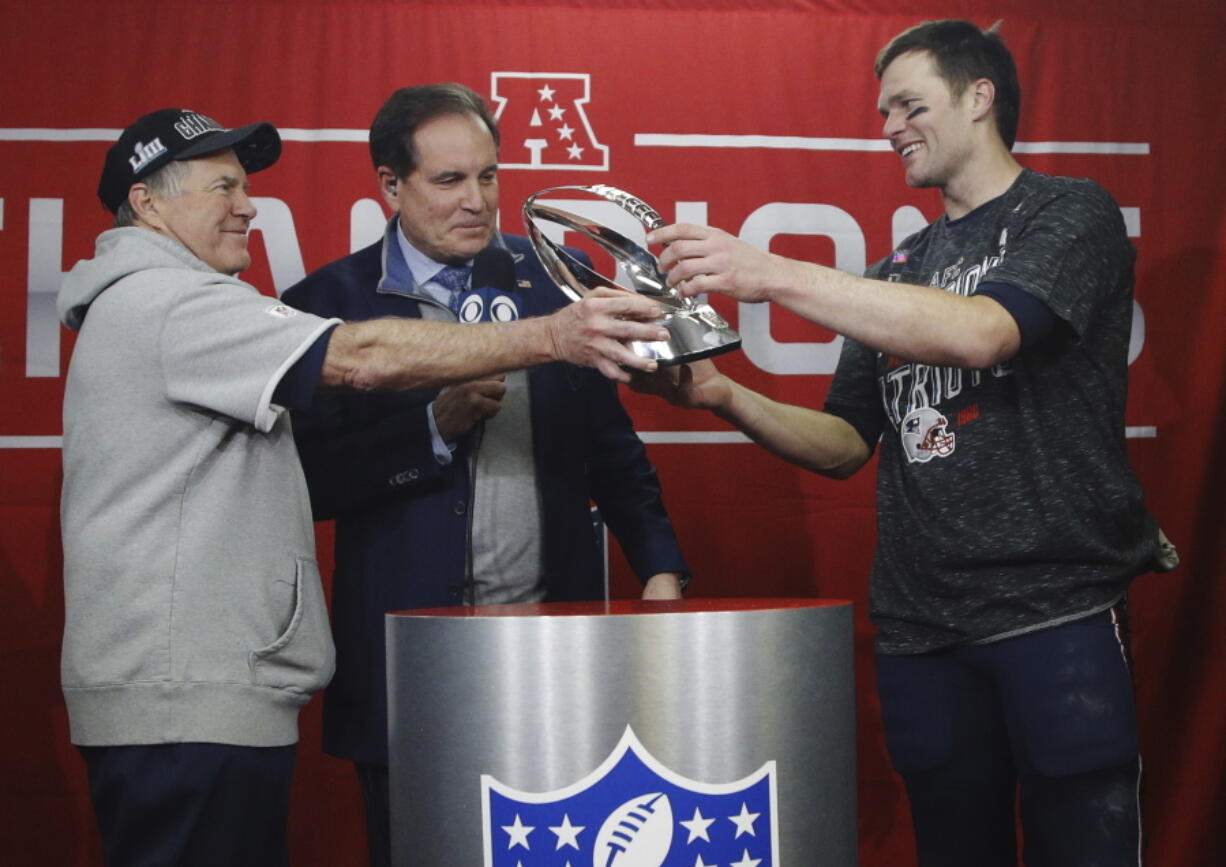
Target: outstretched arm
column 411, row 353
column 817, row 441
column 916, row 323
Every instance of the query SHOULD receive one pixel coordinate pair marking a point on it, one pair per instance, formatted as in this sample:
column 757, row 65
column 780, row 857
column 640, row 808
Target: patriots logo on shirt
column 926, row 435
column 632, row 811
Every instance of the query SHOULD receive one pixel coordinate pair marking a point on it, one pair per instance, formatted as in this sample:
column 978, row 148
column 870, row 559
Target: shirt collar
column 421, row 266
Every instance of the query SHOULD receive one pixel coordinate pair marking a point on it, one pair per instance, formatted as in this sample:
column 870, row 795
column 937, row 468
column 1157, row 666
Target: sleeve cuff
column 442, row 449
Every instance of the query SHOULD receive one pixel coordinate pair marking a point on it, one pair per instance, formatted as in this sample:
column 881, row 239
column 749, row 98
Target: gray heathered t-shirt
column 1005, row 497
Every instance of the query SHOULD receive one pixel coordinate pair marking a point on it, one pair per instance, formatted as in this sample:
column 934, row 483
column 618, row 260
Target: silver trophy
column 695, row 330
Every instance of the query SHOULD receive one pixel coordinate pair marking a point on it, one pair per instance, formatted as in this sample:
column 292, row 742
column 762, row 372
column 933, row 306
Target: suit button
column 460, row 507
column 413, row 474
column 456, row 590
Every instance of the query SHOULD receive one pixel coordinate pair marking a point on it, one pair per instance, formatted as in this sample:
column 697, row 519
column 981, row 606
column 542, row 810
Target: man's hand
column 697, row 385
column 665, row 585
column 458, row 408
column 593, row 332
column 700, row 259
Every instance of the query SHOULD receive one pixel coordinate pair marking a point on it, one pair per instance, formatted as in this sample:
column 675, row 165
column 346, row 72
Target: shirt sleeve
column 1034, row 318
column 296, row 390
column 443, row 450
column 1071, row 252
column 854, row 396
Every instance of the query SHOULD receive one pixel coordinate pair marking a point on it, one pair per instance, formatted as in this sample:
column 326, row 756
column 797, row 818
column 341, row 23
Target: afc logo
column 543, row 122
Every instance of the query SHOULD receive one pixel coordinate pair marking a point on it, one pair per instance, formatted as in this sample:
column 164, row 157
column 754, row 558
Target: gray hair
column 166, row 182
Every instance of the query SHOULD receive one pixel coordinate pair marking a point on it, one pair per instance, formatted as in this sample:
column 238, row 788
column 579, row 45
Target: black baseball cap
column 179, row 134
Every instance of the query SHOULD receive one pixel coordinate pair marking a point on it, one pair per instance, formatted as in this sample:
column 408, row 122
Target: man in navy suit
column 477, row 493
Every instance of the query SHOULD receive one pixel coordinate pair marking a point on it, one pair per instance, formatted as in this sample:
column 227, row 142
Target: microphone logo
column 493, row 297
column 487, row 305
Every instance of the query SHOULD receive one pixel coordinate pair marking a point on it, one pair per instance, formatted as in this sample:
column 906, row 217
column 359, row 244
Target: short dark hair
column 963, row 53
column 391, row 133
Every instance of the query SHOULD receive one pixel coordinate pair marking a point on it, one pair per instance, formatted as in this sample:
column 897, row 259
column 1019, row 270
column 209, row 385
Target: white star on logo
column 575, row 151
column 567, row 833
column 519, row 833
column 546, row 93
column 565, row 132
column 746, row 861
column 744, row 822
column 698, row 862
column 556, row 112
column 697, row 827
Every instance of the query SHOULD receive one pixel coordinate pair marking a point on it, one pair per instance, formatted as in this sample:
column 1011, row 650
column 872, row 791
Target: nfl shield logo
column 632, row 811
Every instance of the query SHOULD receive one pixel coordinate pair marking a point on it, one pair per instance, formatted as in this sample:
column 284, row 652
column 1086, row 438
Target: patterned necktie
column 454, row 279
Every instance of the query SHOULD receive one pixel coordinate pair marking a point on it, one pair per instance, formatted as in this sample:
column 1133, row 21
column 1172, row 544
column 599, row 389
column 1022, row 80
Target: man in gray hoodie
column 195, row 621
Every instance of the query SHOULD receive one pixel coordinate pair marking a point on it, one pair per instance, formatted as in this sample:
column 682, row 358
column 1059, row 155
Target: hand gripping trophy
column 695, row 330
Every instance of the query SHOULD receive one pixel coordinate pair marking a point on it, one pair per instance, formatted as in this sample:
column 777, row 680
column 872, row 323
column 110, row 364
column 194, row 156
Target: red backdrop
column 756, row 116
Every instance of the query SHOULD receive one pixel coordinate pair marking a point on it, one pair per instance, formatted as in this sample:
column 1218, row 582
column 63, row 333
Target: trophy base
column 698, row 355
column 695, row 333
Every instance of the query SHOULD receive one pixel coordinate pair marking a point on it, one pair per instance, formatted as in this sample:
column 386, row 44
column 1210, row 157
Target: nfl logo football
column 636, row 834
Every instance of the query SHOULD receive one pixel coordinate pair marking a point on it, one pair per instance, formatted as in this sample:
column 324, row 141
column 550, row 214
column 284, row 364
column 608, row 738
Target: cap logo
column 145, row 154
column 191, row 125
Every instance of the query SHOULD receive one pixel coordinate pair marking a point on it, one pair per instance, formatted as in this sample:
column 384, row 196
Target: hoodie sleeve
column 225, row 347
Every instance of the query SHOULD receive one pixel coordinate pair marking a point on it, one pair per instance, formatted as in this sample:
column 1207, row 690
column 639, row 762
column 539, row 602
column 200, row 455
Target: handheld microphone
column 493, row 297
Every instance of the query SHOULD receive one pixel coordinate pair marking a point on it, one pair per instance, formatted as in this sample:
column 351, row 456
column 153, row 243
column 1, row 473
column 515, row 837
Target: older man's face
column 213, row 213
column 449, row 203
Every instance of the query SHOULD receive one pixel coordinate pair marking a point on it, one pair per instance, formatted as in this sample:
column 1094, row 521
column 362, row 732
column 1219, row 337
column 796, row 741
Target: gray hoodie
column 194, row 610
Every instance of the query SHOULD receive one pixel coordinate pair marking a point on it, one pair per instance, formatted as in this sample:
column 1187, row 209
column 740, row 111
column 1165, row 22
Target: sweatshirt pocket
column 301, row 658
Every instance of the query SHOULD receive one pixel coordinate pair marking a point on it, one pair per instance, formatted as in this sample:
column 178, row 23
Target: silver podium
column 623, row 734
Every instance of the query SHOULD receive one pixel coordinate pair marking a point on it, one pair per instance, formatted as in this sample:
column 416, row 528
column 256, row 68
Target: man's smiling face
column 212, row 214
column 925, row 124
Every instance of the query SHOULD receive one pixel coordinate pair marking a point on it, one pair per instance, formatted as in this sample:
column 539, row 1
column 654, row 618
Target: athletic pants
column 1042, row 725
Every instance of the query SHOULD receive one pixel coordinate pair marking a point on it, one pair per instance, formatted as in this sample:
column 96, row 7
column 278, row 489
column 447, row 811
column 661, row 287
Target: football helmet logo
column 925, row 435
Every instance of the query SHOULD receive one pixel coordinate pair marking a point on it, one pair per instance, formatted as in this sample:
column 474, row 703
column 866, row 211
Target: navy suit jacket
column 401, row 523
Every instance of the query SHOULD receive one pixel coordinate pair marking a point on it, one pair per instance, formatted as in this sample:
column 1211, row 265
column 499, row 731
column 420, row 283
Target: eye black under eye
column 916, row 111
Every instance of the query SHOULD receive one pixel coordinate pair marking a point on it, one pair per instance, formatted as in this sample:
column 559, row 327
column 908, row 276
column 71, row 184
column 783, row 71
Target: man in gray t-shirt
column 988, row 354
